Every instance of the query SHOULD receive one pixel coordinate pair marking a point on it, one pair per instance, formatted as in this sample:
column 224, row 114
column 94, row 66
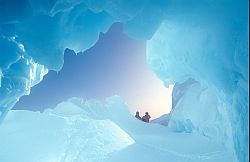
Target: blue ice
column 205, row 41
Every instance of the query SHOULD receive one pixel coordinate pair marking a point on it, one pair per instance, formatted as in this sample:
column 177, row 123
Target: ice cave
column 199, row 46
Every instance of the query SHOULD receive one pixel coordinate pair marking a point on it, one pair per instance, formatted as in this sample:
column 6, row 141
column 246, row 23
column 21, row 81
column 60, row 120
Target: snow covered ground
column 204, row 40
column 92, row 131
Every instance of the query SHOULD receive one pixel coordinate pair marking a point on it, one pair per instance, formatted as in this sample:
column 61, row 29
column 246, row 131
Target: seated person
column 146, row 117
column 137, row 115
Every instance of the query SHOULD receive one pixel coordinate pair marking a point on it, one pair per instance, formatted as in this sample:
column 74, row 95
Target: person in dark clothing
column 146, row 117
column 137, row 115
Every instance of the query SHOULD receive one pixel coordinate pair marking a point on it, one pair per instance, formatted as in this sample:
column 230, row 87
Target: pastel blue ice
column 203, row 40
column 80, row 130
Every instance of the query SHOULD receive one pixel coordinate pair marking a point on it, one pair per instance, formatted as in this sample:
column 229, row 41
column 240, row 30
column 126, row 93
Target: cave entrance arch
column 115, row 65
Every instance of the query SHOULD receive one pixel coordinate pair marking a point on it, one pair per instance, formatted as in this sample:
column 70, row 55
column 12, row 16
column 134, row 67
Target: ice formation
column 66, row 133
column 203, row 40
column 216, row 55
column 93, row 131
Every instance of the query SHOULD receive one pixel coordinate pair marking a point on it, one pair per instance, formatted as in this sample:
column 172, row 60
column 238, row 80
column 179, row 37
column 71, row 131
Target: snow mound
column 67, row 133
column 93, row 131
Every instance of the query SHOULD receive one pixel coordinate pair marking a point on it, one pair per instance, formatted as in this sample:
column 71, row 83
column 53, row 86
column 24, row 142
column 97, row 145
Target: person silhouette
column 137, row 115
column 146, row 117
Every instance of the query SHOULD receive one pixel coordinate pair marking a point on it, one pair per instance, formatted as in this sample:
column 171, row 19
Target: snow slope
column 91, row 131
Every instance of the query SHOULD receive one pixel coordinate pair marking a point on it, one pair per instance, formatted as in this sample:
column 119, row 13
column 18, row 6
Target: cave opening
column 115, row 65
column 205, row 40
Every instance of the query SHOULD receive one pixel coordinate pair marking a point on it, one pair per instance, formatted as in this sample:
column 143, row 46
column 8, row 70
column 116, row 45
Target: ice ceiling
column 204, row 40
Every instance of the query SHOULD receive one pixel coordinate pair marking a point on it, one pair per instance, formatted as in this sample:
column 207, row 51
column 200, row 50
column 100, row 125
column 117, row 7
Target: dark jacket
column 146, row 118
column 138, row 117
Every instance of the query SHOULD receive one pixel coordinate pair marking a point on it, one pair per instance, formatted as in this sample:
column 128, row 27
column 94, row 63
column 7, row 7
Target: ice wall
column 18, row 72
column 196, row 108
column 206, row 40
column 212, row 49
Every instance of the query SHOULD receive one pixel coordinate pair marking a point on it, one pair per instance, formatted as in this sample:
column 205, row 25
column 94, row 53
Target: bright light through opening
column 155, row 98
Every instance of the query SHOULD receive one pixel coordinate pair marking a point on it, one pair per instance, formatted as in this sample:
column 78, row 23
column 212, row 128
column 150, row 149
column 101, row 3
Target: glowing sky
column 115, row 65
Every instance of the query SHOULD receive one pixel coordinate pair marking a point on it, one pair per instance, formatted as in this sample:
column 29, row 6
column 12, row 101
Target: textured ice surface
column 18, row 72
column 70, row 132
column 93, row 131
column 212, row 58
column 205, row 40
column 196, row 108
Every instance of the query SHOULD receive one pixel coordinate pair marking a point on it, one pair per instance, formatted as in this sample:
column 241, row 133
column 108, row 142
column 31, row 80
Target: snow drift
column 93, row 131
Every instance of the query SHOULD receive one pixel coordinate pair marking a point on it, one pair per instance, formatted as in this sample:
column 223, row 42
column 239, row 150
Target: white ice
column 92, row 131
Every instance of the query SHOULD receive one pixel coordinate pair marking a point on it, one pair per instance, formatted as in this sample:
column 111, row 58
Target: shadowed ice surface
column 91, row 131
column 203, row 40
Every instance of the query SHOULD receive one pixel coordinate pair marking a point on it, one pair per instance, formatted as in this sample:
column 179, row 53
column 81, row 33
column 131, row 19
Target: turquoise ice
column 206, row 41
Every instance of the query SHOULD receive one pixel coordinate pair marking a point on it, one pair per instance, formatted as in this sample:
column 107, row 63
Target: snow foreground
column 204, row 40
column 91, row 131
